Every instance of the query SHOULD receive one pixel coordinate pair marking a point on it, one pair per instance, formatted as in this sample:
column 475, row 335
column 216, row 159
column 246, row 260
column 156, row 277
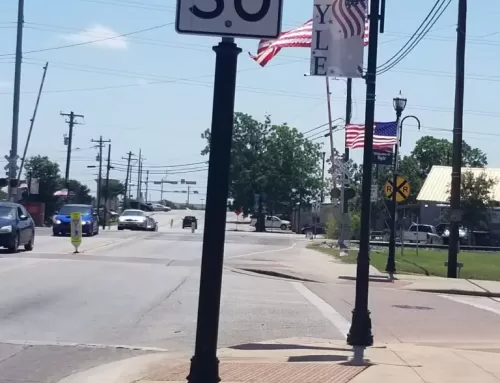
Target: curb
column 123, row 371
column 486, row 294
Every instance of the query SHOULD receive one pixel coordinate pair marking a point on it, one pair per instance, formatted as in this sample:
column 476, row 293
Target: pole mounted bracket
column 401, row 127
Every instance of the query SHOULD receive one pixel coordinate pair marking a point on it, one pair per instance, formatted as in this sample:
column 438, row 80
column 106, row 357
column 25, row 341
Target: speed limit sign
column 235, row 18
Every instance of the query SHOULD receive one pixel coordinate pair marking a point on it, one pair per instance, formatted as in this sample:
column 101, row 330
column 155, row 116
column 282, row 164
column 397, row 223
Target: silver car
column 137, row 220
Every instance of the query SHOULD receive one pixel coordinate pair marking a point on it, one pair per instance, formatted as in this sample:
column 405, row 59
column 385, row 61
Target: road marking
column 328, row 311
column 262, row 252
column 87, row 345
column 474, row 303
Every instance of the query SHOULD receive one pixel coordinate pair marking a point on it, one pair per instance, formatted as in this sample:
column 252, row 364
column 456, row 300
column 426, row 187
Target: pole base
column 358, row 358
column 206, row 371
column 360, row 333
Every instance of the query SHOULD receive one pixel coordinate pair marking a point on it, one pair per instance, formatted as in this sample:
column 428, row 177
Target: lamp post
column 399, row 103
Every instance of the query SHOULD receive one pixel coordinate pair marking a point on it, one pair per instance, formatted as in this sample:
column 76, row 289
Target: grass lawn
column 477, row 265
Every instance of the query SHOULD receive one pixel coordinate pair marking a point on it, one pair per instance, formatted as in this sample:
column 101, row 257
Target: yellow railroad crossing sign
column 402, row 189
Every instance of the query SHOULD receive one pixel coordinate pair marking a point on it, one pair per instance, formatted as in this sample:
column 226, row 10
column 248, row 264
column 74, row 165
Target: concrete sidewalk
column 305, row 360
column 304, row 263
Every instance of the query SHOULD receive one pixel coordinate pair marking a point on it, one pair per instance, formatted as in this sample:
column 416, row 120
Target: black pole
column 360, row 333
column 391, row 259
column 99, row 180
column 457, row 141
column 204, row 363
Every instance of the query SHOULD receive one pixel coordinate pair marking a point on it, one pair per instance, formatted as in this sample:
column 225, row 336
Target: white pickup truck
column 272, row 222
column 425, row 234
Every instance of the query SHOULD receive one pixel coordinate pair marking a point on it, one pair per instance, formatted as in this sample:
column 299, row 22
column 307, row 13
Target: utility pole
column 330, row 121
column 456, row 173
column 189, row 191
column 71, row 122
column 13, row 157
column 127, row 178
column 346, row 220
column 106, row 193
column 32, row 122
column 139, row 166
column 323, row 179
column 100, row 144
column 147, row 185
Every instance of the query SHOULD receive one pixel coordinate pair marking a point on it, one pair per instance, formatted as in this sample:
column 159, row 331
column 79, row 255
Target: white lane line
column 83, row 345
column 475, row 302
column 328, row 311
column 262, row 252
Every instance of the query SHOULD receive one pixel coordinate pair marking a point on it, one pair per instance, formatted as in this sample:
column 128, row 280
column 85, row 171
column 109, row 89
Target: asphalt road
column 129, row 293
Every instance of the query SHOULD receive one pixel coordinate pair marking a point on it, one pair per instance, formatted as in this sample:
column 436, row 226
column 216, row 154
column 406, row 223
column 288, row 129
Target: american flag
column 384, row 135
column 300, row 37
column 350, row 16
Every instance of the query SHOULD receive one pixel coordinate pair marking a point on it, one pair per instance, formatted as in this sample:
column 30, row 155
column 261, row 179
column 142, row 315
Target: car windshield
column 133, row 212
column 7, row 212
column 68, row 209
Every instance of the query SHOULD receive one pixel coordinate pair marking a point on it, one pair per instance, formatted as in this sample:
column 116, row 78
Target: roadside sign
column 234, row 18
column 374, row 194
column 76, row 230
column 402, row 189
column 382, row 157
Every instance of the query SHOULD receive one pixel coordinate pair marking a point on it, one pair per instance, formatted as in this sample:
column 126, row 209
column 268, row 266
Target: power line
column 397, row 60
column 92, row 41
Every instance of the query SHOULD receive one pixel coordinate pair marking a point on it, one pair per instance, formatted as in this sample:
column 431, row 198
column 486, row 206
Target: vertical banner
column 76, row 230
column 338, row 34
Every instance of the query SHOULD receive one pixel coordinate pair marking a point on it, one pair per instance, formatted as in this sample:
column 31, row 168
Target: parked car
column 189, row 221
column 62, row 220
column 320, row 229
column 443, row 229
column 133, row 219
column 160, row 207
column 425, row 234
column 17, row 228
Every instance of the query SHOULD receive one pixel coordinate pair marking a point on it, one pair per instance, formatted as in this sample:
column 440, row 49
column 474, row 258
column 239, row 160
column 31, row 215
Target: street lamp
column 399, row 102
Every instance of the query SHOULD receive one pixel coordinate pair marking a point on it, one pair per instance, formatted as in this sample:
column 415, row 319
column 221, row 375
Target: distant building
column 435, row 194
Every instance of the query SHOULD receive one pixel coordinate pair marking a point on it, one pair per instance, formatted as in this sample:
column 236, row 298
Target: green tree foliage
column 272, row 159
column 476, row 199
column 116, row 188
column 431, row 151
column 3, row 195
column 50, row 181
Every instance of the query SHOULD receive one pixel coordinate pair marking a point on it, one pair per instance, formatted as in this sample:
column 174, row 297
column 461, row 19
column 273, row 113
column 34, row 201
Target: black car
column 189, row 221
column 320, row 229
column 17, row 228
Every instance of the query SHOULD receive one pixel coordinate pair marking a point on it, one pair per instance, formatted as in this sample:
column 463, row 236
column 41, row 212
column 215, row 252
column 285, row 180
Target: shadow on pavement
column 318, row 358
column 280, row 346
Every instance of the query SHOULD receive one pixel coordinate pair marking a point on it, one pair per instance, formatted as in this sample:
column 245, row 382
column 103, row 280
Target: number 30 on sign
column 235, row 18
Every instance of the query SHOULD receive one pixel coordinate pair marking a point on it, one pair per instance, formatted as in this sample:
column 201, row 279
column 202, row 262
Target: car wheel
column 283, row 227
column 55, row 233
column 120, row 228
column 15, row 245
column 31, row 244
column 97, row 231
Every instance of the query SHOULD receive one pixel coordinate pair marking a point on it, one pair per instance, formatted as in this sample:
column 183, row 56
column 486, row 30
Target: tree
column 431, row 151
column 476, row 199
column 3, row 195
column 115, row 189
column 275, row 161
column 81, row 192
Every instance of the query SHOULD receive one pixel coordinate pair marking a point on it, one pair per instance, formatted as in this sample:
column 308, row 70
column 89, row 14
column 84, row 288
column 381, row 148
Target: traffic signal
column 349, row 193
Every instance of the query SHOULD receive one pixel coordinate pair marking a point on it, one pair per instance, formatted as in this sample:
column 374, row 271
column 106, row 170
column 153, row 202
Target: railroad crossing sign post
column 228, row 19
column 402, row 189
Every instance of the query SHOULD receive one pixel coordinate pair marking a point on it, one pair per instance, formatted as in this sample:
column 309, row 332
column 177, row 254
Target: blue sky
column 165, row 119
